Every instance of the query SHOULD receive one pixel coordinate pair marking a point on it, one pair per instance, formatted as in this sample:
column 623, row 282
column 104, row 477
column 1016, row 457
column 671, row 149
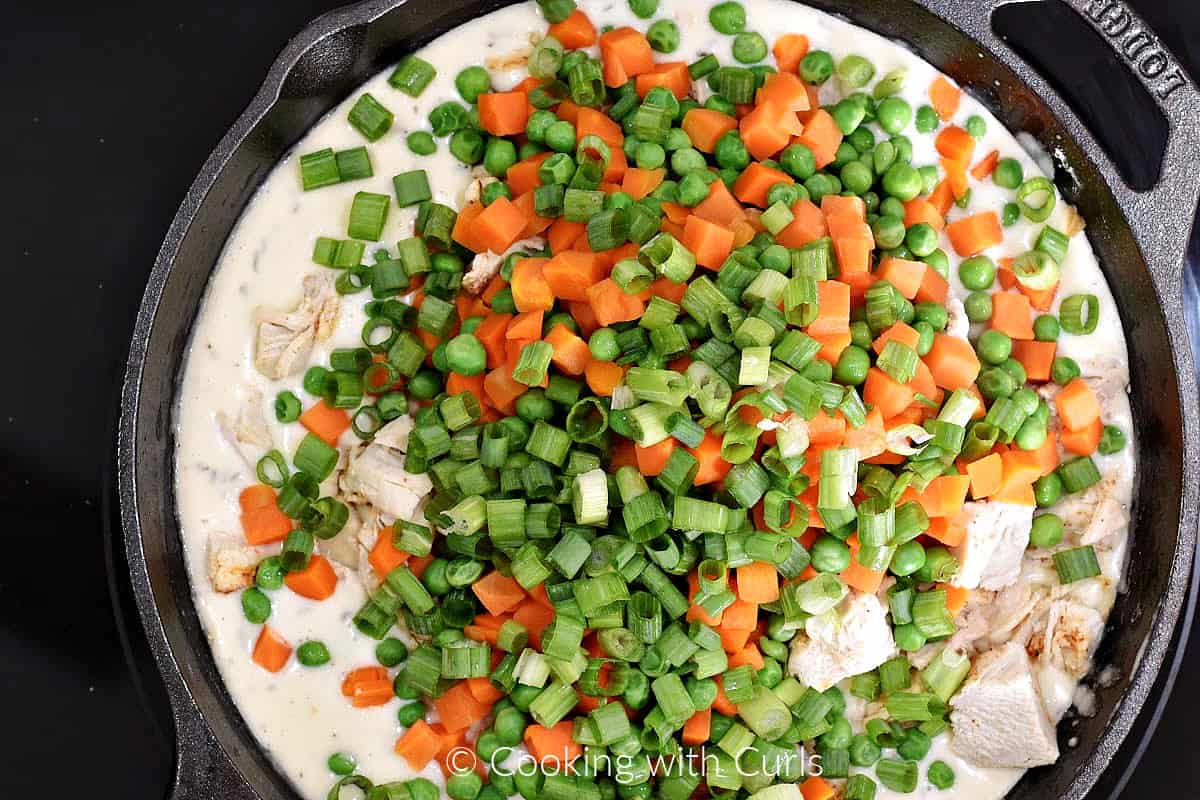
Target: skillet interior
column 337, row 53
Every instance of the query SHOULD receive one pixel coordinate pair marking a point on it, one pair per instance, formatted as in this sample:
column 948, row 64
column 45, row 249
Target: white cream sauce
column 299, row 714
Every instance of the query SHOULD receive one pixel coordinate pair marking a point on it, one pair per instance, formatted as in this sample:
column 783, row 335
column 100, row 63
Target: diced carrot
column 502, row 390
column 869, row 439
column 535, row 616
column 491, row 334
column 705, row 126
column 697, row 729
column 833, row 308
column 668, row 289
column 944, row 97
column 921, row 209
column 503, row 114
column 713, row 468
column 418, row 745
column 271, row 651
column 758, row 582
column 858, row 577
column 672, row 75
column 534, row 225
column 325, row 421
column 720, row 206
column 525, row 326
column 807, row 225
column 950, row 531
column 498, row 225
column 575, row 32
column 955, row 144
column 942, row 198
column 945, row 495
column 748, row 654
column 986, row 474
column 626, row 53
column 972, row 235
column 902, row 273
column 789, row 50
column 952, row 361
column 1036, row 357
column 752, row 185
column 571, row 354
column 934, row 288
column 956, row 597
column 317, row 581
column 722, row 704
column 498, row 594
column 769, row 127
column 826, row 429
column 986, row 165
column 458, row 708
column 638, row 182
column 555, row 745
column 956, row 178
column 836, row 205
column 522, row 177
column 816, row 788
column 853, row 242
column 1082, row 441
column 529, row 288
column 591, row 122
column 886, row 394
column 262, row 521
column 384, row 556
column 652, row 459
column 709, row 242
column 822, row 135
column 612, row 304
column 1011, row 314
column 603, row 376
column 1077, row 405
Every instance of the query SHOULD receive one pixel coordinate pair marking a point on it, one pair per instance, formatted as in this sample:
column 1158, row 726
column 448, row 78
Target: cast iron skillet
column 1139, row 237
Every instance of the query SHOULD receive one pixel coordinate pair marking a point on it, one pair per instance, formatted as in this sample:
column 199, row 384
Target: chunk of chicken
column 231, row 563
column 1098, row 512
column 344, row 547
column 376, row 474
column 248, row 431
column 285, row 338
column 1069, row 637
column 957, row 323
column 856, row 639
column 486, row 265
column 998, row 716
column 997, row 535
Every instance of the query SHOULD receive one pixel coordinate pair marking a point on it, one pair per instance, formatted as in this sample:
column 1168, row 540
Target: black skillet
column 1139, row 237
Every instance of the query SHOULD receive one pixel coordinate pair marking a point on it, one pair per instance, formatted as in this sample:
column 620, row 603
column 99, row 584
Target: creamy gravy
column 299, row 714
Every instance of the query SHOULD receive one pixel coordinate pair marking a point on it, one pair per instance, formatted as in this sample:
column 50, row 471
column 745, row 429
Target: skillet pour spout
column 1140, row 238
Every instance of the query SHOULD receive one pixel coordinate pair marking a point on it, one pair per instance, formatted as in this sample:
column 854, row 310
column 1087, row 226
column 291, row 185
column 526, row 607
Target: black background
column 107, row 113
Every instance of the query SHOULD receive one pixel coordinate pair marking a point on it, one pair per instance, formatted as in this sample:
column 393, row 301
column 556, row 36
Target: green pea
column 391, row 651
column 498, row 156
column 838, row 737
column 816, row 67
column 560, row 136
column 434, row 576
column 976, row 126
column 893, row 114
column 848, row 115
column 830, row 554
column 1047, row 531
column 1063, row 370
column 256, row 606
column 782, row 193
column 403, row 690
column 341, row 763
column 510, row 726
column 446, row 118
column 798, row 161
column 464, row 785
column 663, row 35
column 908, row 638
column 978, row 306
column 908, row 558
column 534, row 405
column 995, row 382
column 1112, row 440
column 718, row 103
column 1009, row 174
column 421, row 143
column 1016, row 370
column 891, row 207
column 408, row 714
column 727, row 18
column 538, row 122
column 921, row 239
column 493, row 192
column 472, row 82
column 977, row 273
column 1046, row 328
column 644, row 9
column 844, row 155
column 1009, row 214
column 855, row 71
column 929, row 178
column 466, row 355
column 269, row 574
column 730, row 152
column 650, row 155
column 941, row 775
column 425, row 384
column 821, row 184
column 603, row 344
column 467, row 145
column 888, row 231
column 934, row 314
column 861, row 139
column 1047, row 489
column 925, row 333
column 857, row 177
column 902, row 182
column 312, row 654
column 687, row 159
column 693, row 188
column 904, row 148
column 749, row 47
column 863, row 751
column 927, row 120
column 852, row 366
column 860, row 337
column 939, row 261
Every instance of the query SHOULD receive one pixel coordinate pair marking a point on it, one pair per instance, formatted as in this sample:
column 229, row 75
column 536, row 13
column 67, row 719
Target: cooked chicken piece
column 248, row 432
column 395, row 433
column 958, row 324
column 486, row 264
column 1069, row 637
column 344, row 547
column 285, row 338
column 511, row 60
column 376, row 474
column 480, row 178
column 1097, row 512
column 1073, row 222
column 856, row 639
column 998, row 717
column 231, row 563
column 997, row 535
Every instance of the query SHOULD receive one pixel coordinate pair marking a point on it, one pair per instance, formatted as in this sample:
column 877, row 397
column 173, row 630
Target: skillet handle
column 1164, row 214
column 202, row 769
